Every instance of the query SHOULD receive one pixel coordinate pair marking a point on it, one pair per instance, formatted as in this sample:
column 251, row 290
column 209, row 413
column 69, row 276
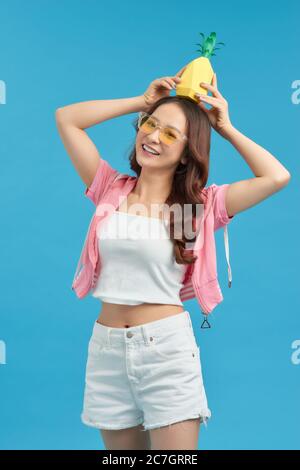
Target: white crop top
column 137, row 262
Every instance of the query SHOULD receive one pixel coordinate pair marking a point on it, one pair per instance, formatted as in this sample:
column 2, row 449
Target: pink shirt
column 107, row 191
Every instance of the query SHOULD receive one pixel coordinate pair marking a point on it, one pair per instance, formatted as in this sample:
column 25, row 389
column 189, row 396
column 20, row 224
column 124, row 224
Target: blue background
column 54, row 53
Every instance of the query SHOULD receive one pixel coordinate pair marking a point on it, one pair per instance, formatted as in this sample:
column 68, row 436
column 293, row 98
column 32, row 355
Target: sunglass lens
column 168, row 136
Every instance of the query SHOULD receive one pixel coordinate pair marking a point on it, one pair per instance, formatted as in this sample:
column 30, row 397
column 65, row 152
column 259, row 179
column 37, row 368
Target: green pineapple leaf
column 209, row 45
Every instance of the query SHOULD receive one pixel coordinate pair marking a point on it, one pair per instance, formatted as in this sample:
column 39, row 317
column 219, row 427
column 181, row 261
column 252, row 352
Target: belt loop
column 144, row 335
column 107, row 339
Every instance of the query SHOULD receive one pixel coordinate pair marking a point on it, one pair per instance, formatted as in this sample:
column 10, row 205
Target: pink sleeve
column 103, row 177
column 221, row 216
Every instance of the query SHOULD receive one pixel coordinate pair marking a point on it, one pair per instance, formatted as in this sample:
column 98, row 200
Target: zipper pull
column 205, row 323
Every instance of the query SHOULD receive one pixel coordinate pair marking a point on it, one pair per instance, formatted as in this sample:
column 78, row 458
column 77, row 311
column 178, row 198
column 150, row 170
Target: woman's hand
column 218, row 114
column 161, row 88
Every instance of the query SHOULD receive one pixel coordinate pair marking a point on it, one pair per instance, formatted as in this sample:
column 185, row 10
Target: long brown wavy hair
column 190, row 178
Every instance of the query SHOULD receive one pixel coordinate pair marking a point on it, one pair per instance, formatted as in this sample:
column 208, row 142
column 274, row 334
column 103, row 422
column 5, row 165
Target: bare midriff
column 125, row 316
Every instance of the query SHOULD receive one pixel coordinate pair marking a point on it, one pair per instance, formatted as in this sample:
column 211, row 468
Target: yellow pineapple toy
column 199, row 70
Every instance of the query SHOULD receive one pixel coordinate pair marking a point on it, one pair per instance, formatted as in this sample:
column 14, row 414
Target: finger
column 202, row 106
column 211, row 88
column 206, row 97
column 166, row 84
column 178, row 74
column 210, row 100
column 177, row 77
column 171, row 81
column 215, row 83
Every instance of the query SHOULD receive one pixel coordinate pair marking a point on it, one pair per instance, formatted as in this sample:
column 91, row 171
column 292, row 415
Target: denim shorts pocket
column 95, row 347
column 179, row 344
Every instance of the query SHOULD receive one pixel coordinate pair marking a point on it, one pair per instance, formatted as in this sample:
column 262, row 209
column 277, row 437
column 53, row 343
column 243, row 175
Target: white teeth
column 149, row 149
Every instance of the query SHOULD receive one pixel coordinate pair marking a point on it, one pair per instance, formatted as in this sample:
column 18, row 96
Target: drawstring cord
column 227, row 255
column 205, row 323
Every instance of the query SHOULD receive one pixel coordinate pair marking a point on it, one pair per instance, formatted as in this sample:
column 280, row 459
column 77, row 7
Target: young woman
column 143, row 365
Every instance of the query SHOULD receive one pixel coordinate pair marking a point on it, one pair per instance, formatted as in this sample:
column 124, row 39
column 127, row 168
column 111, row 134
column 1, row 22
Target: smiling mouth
column 149, row 154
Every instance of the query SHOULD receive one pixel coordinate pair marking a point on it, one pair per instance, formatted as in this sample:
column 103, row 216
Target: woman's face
column 169, row 157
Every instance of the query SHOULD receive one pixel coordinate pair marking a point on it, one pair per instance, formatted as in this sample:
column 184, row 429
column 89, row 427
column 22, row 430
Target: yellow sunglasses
column 168, row 134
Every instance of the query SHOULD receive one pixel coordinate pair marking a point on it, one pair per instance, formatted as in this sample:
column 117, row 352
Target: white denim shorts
column 148, row 374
